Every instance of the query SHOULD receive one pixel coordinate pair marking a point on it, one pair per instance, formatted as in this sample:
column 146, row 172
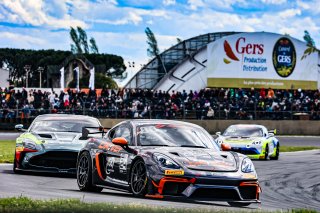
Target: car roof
column 47, row 117
column 139, row 122
column 248, row 125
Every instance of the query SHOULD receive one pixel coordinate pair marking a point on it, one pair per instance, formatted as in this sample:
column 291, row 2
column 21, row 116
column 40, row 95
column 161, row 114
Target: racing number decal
column 123, row 163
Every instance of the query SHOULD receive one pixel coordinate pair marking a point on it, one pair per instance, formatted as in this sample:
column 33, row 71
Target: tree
column 80, row 42
column 93, row 46
column 153, row 50
column 310, row 43
column 76, row 46
column 83, row 39
column 308, row 39
column 51, row 61
column 101, row 81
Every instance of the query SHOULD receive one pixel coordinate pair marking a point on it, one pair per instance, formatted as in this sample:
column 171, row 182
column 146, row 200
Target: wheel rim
column 138, row 177
column 83, row 170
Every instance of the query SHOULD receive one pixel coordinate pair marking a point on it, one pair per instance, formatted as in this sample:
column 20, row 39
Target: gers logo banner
column 261, row 60
column 284, row 57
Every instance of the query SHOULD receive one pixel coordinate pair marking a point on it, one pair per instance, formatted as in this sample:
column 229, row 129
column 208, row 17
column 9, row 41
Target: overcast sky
column 118, row 25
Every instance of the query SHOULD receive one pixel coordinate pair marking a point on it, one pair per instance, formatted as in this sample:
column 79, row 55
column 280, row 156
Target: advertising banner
column 262, row 60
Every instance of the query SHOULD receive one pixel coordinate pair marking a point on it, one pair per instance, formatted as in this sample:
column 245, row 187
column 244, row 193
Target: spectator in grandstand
column 210, row 113
column 143, row 103
column 270, row 93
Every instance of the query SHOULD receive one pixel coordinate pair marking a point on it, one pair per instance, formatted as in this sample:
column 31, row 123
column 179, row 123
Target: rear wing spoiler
column 86, row 132
column 273, row 131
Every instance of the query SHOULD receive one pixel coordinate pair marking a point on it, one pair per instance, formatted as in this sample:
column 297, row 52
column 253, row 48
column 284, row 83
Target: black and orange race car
column 160, row 158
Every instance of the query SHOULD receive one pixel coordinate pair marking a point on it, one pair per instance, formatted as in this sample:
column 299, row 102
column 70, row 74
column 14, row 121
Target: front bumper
column 55, row 161
column 251, row 152
column 212, row 189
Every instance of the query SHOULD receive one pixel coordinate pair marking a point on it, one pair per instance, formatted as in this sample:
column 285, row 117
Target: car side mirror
column 271, row 134
column 274, row 131
column 225, row 147
column 19, row 127
column 120, row 141
column 218, row 133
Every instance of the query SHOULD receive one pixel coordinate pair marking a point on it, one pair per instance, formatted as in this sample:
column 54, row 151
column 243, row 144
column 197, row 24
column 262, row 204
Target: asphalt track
column 284, row 140
column 291, row 182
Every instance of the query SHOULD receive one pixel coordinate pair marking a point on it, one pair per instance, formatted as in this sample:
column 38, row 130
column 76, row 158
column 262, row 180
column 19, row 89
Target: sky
column 118, row 25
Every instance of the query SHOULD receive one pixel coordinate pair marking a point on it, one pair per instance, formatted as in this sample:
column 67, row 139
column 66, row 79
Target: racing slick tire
column 266, row 153
column 277, row 153
column 140, row 185
column 84, row 174
column 238, row 204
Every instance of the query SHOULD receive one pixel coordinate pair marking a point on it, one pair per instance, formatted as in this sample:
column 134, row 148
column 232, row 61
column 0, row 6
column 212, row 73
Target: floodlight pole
column 27, row 69
column 40, row 69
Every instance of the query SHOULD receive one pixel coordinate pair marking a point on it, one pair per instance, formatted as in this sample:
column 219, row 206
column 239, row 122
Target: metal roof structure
column 152, row 73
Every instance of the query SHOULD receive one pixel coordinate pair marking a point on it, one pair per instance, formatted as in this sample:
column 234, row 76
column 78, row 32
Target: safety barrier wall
column 284, row 127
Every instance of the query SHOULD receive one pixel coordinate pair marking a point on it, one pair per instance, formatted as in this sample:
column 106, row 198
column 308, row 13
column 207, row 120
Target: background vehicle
column 51, row 144
column 252, row 140
column 159, row 158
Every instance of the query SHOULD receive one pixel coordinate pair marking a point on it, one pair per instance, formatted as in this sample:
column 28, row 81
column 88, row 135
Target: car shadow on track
column 122, row 194
column 43, row 174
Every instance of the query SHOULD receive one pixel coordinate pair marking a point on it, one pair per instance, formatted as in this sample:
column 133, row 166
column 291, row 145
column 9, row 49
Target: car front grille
column 216, row 193
column 172, row 188
column 56, row 159
column 245, row 151
column 248, row 192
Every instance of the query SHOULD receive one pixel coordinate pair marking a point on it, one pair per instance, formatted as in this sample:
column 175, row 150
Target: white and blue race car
column 253, row 140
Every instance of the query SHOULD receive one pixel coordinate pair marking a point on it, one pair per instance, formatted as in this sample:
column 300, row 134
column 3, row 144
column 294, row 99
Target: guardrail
column 301, row 123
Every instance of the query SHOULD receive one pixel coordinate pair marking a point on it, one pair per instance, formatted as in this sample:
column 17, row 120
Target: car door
column 117, row 157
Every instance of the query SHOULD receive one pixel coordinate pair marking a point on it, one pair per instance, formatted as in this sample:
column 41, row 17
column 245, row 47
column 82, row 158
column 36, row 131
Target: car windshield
column 242, row 131
column 174, row 135
column 62, row 125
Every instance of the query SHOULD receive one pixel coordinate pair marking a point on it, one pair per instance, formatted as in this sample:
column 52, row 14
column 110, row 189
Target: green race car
column 255, row 141
column 51, row 144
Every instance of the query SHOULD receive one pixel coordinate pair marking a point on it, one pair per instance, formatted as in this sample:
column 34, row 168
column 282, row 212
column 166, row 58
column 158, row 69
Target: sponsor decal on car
column 123, row 163
column 174, row 172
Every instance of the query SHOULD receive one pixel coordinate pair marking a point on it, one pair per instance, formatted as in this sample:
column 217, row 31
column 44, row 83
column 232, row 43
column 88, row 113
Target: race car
column 164, row 158
column 255, row 141
column 51, row 144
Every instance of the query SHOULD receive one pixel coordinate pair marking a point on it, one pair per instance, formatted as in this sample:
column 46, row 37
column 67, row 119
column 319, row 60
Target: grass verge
column 297, row 148
column 7, row 148
column 24, row 204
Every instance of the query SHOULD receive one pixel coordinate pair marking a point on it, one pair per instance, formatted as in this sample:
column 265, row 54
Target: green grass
column 7, row 149
column 297, row 148
column 24, row 204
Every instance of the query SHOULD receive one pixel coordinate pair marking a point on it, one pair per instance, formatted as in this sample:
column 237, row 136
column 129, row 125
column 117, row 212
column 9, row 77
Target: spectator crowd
column 213, row 103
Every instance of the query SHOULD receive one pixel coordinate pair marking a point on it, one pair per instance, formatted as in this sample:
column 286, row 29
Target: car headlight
column 219, row 141
column 247, row 166
column 30, row 144
column 256, row 143
column 165, row 161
